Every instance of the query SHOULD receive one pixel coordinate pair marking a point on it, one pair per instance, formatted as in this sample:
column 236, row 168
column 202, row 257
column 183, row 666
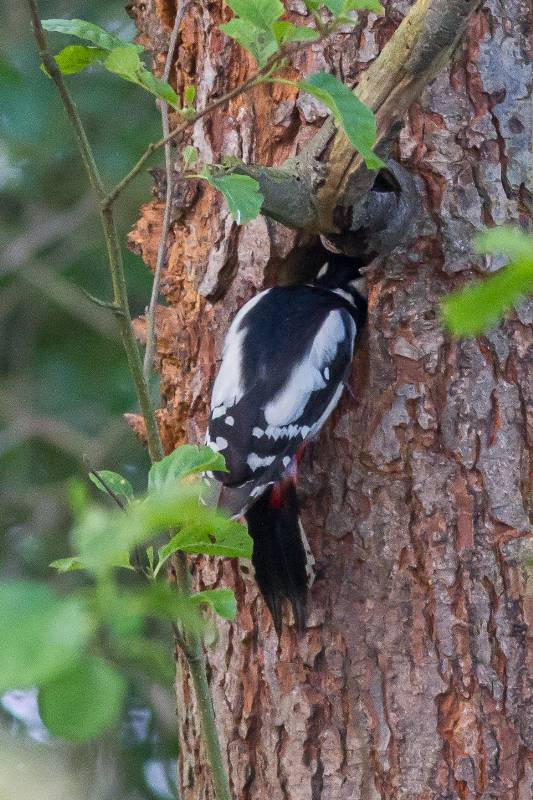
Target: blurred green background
column 64, row 382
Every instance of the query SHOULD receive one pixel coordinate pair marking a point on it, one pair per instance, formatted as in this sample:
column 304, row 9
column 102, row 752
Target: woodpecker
column 286, row 361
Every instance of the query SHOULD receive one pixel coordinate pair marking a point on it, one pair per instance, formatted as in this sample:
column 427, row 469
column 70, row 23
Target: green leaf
column 77, row 57
column 162, row 601
column 78, row 496
column 122, row 612
column 105, row 479
column 150, row 558
column 172, row 508
column 287, row 32
column 126, row 612
column 125, row 62
column 252, row 27
column 337, row 7
column 262, row 44
column 84, row 701
column 123, row 561
column 67, row 564
column 181, row 463
column 241, row 192
column 356, row 120
column 158, row 87
column 506, row 239
column 222, row 601
column 189, row 94
column 151, row 657
column 261, row 13
column 189, row 156
column 479, row 307
column 41, row 634
column 74, row 563
column 340, row 7
column 103, row 538
column 209, row 533
column 86, row 30
column 365, row 5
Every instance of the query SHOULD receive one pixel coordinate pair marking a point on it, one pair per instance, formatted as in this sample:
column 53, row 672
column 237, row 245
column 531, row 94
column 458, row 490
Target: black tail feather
column 279, row 556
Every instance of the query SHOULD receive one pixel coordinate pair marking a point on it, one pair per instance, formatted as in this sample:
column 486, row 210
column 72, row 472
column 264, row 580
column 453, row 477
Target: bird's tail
column 280, row 558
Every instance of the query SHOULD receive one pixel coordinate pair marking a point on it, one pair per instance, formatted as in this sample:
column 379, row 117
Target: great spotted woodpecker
column 286, row 360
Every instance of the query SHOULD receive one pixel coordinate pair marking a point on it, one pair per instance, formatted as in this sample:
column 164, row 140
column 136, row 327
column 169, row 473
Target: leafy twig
column 151, row 313
column 273, row 62
column 114, row 253
column 193, row 651
column 183, row 126
column 107, row 488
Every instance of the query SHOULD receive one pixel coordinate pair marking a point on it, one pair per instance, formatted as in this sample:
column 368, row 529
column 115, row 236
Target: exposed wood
column 307, row 190
column 410, row 60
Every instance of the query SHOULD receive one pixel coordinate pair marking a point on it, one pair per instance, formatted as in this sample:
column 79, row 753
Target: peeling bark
column 412, row 680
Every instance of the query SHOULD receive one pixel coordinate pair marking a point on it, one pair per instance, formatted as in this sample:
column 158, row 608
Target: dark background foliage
column 64, row 381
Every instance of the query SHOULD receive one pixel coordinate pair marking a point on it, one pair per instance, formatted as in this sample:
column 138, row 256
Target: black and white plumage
column 286, row 360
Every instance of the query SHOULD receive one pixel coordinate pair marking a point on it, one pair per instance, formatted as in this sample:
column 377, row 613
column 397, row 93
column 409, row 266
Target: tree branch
column 183, row 579
column 420, row 47
column 307, row 191
column 151, row 313
column 275, row 61
column 114, row 252
column 194, row 650
column 183, row 126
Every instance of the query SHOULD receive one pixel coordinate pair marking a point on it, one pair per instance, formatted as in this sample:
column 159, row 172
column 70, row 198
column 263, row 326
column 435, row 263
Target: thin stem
column 183, row 126
column 107, row 488
column 151, row 313
column 197, row 666
column 193, row 643
column 120, row 292
column 190, row 643
column 116, row 265
column 68, row 104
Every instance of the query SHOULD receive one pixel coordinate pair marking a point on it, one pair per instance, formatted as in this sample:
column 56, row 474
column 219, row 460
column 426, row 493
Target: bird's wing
column 267, row 401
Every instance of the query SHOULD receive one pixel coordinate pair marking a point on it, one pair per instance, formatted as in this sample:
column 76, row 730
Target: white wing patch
column 219, row 444
column 329, row 410
column 217, row 412
column 258, row 490
column 307, row 377
column 255, row 462
column 228, row 388
column 281, row 432
column 291, row 431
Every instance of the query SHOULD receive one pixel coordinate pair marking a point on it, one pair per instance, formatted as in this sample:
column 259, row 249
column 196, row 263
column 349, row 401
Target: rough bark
column 412, row 680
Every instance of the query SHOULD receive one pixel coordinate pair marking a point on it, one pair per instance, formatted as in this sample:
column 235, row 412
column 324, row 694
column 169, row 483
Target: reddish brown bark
column 412, row 680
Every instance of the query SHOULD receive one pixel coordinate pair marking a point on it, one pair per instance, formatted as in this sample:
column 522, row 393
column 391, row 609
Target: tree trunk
column 411, row 680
